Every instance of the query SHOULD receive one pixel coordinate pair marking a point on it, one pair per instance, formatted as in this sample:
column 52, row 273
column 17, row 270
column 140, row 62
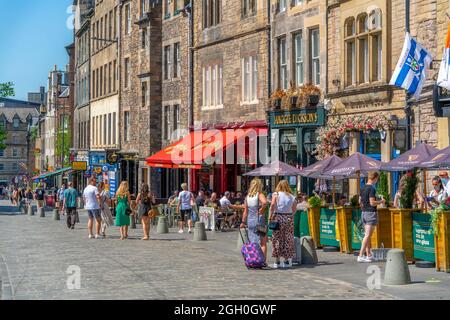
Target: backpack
column 252, row 253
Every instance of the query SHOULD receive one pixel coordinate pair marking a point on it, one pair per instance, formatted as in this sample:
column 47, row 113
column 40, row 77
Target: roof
column 21, row 109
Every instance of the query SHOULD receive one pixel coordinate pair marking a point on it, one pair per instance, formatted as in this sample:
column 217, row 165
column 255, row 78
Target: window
column 126, row 81
column 282, row 5
column 350, row 52
column 145, row 97
column 16, row 122
column 167, row 8
column 2, row 152
column 127, row 19
column 14, row 152
column 298, row 45
column 15, row 167
column 2, row 167
column 212, row 86
column 109, row 77
column 315, row 56
column 115, row 22
column 248, row 7
column 176, row 120
column 144, row 38
column 109, row 129
column 166, row 122
column 110, row 25
column 2, row 123
column 298, row 2
column 114, row 124
column 212, row 13
column 126, row 128
column 143, row 7
column 283, row 81
column 114, row 75
column 249, row 79
column 101, row 81
column 167, row 62
column 376, row 57
column 176, row 60
column 179, row 4
column 105, row 70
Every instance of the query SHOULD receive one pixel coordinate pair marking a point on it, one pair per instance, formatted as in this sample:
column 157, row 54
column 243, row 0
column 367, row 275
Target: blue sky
column 33, row 36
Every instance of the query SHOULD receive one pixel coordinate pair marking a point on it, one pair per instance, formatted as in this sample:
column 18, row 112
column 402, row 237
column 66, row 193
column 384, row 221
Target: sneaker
column 371, row 258
column 276, row 265
column 287, row 264
column 190, row 231
column 180, row 231
column 363, row 259
column 97, row 236
column 91, row 236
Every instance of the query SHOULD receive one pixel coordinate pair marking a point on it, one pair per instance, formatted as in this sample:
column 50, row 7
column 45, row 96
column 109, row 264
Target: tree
column 6, row 90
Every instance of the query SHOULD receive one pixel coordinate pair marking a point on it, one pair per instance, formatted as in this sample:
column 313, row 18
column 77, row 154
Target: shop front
column 79, row 161
column 103, row 171
column 294, row 132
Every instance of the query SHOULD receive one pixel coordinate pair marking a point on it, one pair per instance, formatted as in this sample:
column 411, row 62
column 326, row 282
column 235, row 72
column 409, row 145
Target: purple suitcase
column 252, row 253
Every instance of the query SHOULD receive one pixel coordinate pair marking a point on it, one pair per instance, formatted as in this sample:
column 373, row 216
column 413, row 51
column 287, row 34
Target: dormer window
column 16, row 122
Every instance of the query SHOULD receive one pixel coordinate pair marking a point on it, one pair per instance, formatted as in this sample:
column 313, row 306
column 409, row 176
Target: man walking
column 184, row 207
column 369, row 215
column 70, row 205
column 61, row 198
column 39, row 195
column 91, row 198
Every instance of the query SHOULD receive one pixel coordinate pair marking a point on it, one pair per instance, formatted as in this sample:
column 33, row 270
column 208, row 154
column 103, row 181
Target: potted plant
column 401, row 219
column 382, row 233
column 292, row 95
column 314, row 206
column 310, row 95
column 276, row 98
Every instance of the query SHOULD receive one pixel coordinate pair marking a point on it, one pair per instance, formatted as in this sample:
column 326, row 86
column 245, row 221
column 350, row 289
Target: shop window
column 372, row 143
column 288, row 146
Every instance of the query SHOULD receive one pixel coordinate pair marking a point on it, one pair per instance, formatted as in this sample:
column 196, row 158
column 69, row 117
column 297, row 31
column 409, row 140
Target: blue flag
column 410, row 72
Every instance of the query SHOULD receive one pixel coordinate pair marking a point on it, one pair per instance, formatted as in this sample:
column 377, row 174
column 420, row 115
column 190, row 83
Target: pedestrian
column 418, row 200
column 70, row 205
column 123, row 207
column 28, row 197
column 438, row 195
column 200, row 200
column 61, row 198
column 91, row 199
column 184, row 207
column 39, row 194
column 302, row 203
column 254, row 208
column 105, row 202
column 282, row 211
column 369, row 215
column 145, row 200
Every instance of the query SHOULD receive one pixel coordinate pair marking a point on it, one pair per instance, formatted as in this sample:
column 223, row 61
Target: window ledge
column 249, row 103
column 220, row 106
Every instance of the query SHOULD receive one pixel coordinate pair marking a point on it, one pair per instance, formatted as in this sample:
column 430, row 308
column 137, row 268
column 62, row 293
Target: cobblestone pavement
column 35, row 254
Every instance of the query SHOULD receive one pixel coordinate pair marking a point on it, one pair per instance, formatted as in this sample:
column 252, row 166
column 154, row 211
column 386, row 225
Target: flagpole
column 408, row 110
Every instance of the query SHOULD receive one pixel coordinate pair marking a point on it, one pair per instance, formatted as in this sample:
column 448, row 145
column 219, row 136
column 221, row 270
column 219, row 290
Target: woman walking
column 281, row 210
column 144, row 201
column 254, row 207
column 105, row 202
column 123, row 205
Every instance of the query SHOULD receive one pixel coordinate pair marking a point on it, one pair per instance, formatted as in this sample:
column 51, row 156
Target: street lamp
column 309, row 144
column 286, row 145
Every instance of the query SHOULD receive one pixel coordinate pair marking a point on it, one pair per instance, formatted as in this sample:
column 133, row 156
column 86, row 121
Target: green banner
column 423, row 237
column 357, row 233
column 328, row 227
column 304, row 226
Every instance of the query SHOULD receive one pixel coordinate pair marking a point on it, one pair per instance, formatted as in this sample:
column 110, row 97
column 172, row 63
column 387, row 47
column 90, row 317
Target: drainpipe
column 269, row 74
column 191, row 79
column 119, row 73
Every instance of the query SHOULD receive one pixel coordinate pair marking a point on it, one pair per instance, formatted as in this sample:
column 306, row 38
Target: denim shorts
column 369, row 218
column 95, row 214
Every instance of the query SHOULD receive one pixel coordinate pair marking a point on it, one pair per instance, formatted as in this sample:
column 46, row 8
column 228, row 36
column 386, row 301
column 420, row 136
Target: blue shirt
column 71, row 197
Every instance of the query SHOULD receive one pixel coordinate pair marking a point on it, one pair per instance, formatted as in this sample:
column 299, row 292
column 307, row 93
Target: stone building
column 140, row 91
column 104, row 90
column 175, row 85
column 364, row 41
column 17, row 159
column 81, row 119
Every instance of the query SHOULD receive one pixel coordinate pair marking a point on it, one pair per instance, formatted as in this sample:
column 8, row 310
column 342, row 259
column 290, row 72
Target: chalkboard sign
column 423, row 237
column 328, row 227
column 357, row 233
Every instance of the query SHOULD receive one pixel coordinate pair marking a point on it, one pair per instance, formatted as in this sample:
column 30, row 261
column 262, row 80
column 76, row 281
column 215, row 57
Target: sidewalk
column 38, row 251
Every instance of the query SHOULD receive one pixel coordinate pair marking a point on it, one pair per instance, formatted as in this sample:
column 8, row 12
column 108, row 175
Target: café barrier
column 382, row 236
column 442, row 241
column 328, row 220
column 314, row 225
column 401, row 231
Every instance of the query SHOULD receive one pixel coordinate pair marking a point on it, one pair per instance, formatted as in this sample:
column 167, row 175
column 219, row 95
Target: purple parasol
column 317, row 169
column 356, row 164
column 276, row 168
column 439, row 160
column 410, row 159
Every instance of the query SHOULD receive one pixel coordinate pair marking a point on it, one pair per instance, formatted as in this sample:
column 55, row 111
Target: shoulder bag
column 274, row 225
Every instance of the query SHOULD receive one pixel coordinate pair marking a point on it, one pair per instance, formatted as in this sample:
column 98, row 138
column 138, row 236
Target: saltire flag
column 410, row 73
column 443, row 79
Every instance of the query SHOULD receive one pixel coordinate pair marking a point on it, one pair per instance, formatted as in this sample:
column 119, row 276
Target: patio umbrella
column 357, row 164
column 276, row 168
column 410, row 159
column 439, row 160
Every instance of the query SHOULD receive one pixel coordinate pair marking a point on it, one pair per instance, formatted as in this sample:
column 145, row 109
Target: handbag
column 153, row 213
column 261, row 227
column 128, row 211
column 274, row 225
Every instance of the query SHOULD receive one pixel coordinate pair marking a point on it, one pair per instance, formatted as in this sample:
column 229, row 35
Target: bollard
column 239, row 241
column 41, row 212
column 56, row 215
column 309, row 255
column 30, row 210
column 23, row 209
column 397, row 271
column 200, row 232
column 162, row 225
column 133, row 221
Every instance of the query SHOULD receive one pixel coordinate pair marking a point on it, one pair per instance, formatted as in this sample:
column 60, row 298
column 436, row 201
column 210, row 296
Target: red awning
column 192, row 151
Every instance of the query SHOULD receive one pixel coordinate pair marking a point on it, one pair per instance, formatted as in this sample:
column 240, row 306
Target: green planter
column 328, row 218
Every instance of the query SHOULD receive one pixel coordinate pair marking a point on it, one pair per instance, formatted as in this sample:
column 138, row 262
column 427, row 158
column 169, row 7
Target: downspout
column 191, row 81
column 269, row 80
column 119, row 73
column 326, row 49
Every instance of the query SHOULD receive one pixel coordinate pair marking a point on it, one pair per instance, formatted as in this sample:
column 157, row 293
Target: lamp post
column 308, row 144
column 286, row 145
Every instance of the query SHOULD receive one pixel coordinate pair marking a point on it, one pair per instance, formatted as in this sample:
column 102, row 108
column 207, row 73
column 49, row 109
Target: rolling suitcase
column 252, row 253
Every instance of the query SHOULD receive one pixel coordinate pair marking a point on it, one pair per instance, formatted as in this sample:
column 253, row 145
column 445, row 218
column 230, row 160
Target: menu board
column 423, row 237
column 328, row 227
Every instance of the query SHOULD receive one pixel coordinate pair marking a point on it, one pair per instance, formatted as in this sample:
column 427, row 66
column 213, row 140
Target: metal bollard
column 30, row 210
column 56, row 215
column 162, row 225
column 200, row 232
column 397, row 271
column 41, row 212
column 133, row 221
column 309, row 254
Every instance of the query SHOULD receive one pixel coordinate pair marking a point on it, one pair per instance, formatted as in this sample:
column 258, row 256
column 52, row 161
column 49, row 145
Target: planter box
column 294, row 102
column 382, row 236
column 344, row 229
column 328, row 223
column 401, row 231
column 277, row 104
column 313, row 100
column 314, row 225
column 442, row 248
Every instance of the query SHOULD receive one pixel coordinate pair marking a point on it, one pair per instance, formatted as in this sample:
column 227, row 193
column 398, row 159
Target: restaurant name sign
column 303, row 117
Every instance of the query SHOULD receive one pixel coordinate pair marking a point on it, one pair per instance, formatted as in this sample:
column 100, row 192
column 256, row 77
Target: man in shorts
column 369, row 215
column 184, row 207
column 39, row 195
column 91, row 198
column 70, row 205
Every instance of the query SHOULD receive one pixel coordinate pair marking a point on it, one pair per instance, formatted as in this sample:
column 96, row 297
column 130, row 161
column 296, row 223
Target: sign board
column 83, row 156
column 303, row 117
column 328, row 227
column 207, row 216
column 112, row 183
column 79, row 165
column 423, row 237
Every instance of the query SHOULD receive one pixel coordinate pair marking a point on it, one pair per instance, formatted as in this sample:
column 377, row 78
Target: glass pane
column 372, row 143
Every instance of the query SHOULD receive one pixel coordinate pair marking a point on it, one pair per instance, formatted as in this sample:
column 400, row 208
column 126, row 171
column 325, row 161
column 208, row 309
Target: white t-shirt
column 185, row 200
column 447, row 187
column 224, row 202
column 90, row 194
